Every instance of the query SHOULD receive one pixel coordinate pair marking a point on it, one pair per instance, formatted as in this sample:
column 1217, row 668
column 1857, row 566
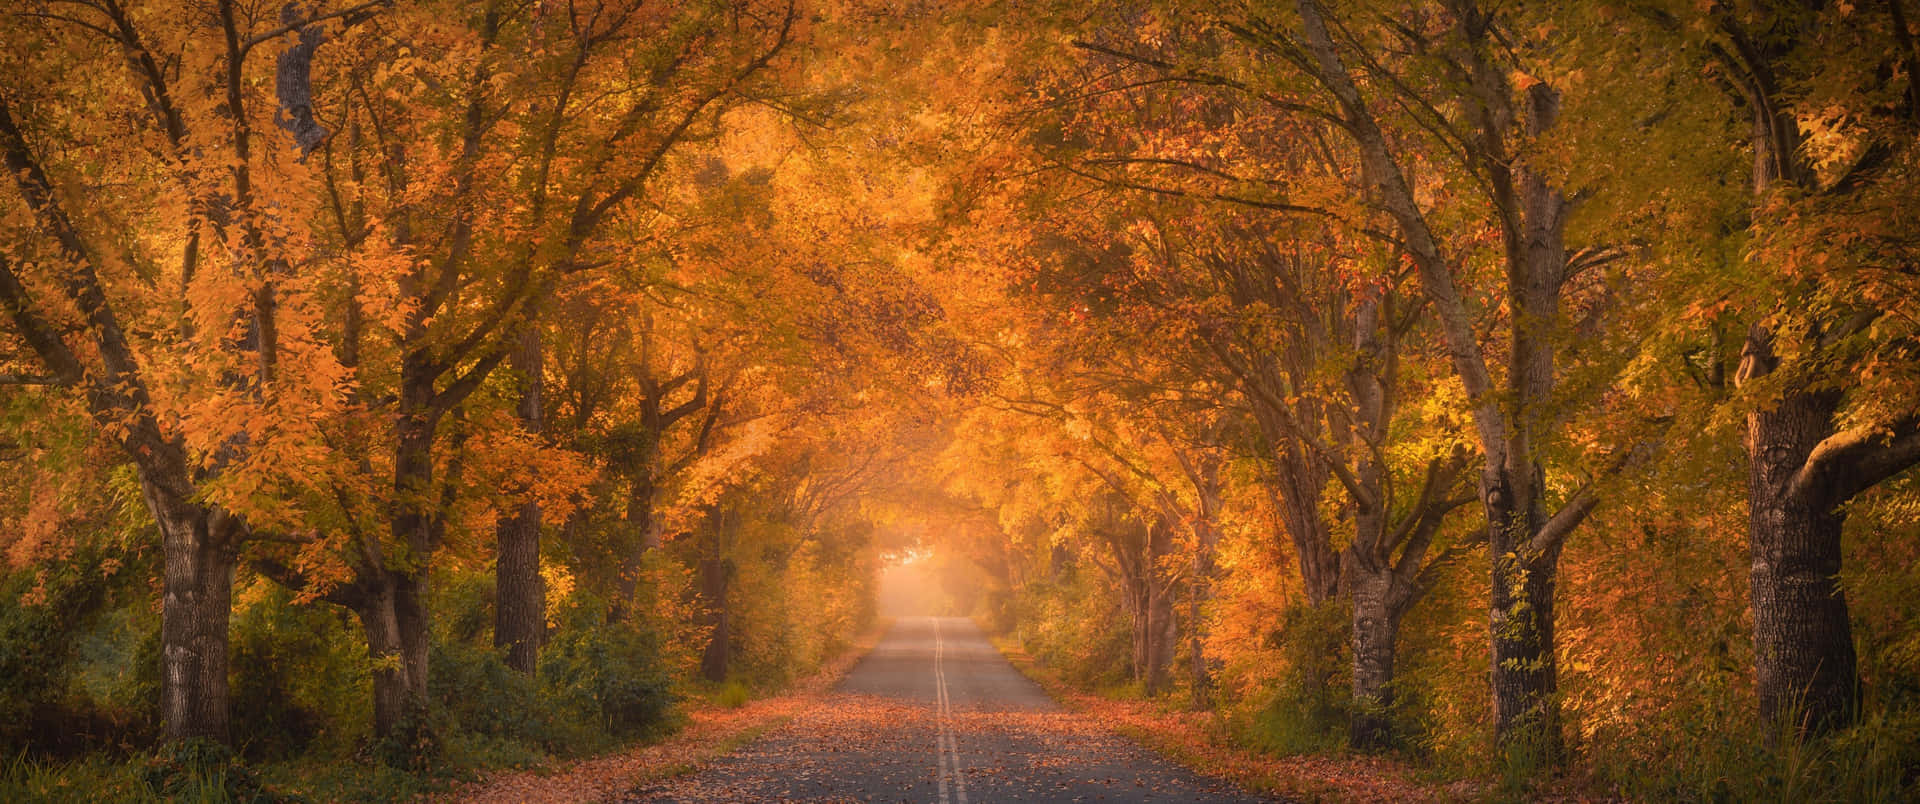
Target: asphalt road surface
column 935, row 714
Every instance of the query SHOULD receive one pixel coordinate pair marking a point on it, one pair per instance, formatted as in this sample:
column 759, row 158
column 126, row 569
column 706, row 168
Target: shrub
column 53, row 619
column 475, row 692
column 733, row 695
column 1308, row 711
column 203, row 770
column 611, row 673
column 299, row 674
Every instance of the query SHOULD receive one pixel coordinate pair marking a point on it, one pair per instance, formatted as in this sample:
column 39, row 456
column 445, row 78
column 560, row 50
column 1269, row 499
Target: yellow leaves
column 559, row 583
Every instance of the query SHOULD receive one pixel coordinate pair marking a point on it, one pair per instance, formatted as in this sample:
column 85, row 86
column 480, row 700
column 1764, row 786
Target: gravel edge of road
column 712, row 732
column 805, row 693
column 1260, row 774
column 1079, row 702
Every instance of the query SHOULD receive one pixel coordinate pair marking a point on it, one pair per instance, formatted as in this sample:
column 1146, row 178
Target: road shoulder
column 1199, row 742
column 711, row 732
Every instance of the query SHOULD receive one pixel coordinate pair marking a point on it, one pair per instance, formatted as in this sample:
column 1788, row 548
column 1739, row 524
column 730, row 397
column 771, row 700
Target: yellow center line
column 948, row 750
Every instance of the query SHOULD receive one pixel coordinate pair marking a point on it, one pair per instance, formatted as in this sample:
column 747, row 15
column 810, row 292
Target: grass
column 733, row 695
column 89, row 780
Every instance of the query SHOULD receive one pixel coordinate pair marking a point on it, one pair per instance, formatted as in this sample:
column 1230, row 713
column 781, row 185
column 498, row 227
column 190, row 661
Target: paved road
column 935, row 714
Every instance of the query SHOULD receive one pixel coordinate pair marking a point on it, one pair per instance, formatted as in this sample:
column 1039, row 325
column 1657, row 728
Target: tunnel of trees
column 1524, row 391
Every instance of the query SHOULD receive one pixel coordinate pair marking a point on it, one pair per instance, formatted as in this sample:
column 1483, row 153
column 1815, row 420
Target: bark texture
column 197, row 540
column 196, row 602
column 393, row 615
column 1160, row 636
column 1376, row 628
column 1805, row 669
column 520, row 599
column 1206, row 479
column 1801, row 469
column 1511, row 418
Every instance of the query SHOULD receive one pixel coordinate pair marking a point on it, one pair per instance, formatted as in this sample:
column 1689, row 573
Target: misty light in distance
column 911, row 586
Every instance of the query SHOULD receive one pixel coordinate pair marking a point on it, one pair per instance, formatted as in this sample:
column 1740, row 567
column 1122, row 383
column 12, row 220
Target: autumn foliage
column 1523, row 391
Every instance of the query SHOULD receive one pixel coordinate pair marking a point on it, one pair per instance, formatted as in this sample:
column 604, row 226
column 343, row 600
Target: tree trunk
column 1804, row 663
column 1805, row 671
column 1160, row 634
column 642, row 537
column 1376, row 627
column 520, row 602
column 197, row 599
column 1520, row 621
column 1201, row 681
column 713, row 589
column 520, row 599
column 1137, row 596
column 393, row 614
column 713, row 592
column 1297, row 487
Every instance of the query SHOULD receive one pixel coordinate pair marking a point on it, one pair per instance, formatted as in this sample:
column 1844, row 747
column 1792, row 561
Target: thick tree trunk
column 520, row 599
column 393, row 615
column 1525, row 672
column 197, row 599
column 1804, row 663
column 520, row 603
column 1805, row 670
column 1520, row 621
column 1376, row 628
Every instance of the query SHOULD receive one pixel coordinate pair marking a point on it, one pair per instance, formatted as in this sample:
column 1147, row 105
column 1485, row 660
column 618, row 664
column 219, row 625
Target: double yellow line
column 949, row 755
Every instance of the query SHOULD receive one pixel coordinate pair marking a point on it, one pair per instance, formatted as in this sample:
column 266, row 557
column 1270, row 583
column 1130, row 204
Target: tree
column 478, row 228
column 1308, row 325
column 1512, row 415
column 1830, row 102
column 169, row 304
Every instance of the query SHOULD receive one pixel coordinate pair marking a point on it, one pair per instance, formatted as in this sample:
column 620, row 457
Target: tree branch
column 1850, row 462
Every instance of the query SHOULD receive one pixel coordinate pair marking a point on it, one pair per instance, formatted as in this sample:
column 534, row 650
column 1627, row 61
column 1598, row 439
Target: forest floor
column 711, row 731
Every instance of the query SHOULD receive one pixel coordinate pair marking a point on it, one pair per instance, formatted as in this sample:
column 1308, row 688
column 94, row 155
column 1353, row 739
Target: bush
column 203, row 770
column 91, row 780
column 299, row 674
column 1310, row 707
column 475, row 692
column 1724, row 757
column 482, row 712
column 54, row 619
column 1069, row 624
column 611, row 673
column 733, row 695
